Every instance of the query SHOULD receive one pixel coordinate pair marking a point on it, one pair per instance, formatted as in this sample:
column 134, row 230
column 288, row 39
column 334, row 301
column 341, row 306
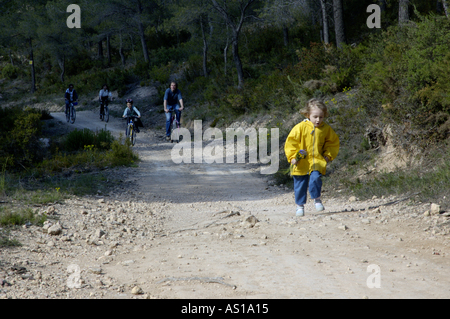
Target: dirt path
column 220, row 231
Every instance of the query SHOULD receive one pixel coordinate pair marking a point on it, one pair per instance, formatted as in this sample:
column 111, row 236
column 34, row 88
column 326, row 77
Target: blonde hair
column 314, row 103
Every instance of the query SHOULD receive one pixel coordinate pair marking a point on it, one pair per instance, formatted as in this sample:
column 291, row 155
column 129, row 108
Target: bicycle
column 71, row 114
column 131, row 130
column 105, row 115
column 174, row 128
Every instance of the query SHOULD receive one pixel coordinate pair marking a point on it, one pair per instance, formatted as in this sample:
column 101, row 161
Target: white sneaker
column 300, row 211
column 319, row 206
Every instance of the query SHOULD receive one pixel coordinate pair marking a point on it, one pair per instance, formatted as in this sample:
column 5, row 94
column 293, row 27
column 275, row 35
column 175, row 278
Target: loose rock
column 435, row 209
column 137, row 291
column 250, row 221
column 55, row 229
column 99, row 233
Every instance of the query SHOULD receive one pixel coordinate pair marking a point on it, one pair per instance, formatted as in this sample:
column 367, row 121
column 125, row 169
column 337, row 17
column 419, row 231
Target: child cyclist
column 310, row 146
column 131, row 110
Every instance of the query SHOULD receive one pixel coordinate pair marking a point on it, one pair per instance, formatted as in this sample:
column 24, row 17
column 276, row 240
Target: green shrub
column 164, row 55
column 90, row 158
column 8, row 217
column 121, row 153
column 141, row 69
column 311, row 62
column 410, row 68
column 10, row 72
column 161, row 74
column 193, row 68
column 20, row 131
column 78, row 139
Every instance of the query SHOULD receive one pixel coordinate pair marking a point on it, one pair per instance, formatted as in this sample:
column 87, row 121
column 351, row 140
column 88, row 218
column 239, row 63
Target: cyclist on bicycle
column 70, row 96
column 173, row 101
column 132, row 111
column 104, row 97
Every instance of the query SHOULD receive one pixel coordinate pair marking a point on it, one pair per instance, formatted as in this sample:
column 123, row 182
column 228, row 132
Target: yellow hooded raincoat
column 318, row 142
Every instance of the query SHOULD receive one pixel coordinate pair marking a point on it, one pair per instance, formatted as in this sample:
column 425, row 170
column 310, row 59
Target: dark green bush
column 311, row 62
column 122, row 153
column 409, row 66
column 12, row 218
column 78, row 139
column 20, row 131
column 10, row 72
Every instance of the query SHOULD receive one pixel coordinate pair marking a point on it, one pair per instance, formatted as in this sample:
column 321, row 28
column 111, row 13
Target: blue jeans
column 171, row 108
column 301, row 183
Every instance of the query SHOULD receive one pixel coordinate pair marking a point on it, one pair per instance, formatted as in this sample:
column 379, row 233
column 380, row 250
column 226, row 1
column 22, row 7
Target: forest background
column 238, row 60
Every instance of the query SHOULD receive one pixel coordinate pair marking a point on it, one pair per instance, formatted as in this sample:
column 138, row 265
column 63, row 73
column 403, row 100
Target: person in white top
column 104, row 97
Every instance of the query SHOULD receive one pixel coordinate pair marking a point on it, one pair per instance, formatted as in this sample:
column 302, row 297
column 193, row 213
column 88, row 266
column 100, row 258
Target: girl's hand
column 294, row 161
column 327, row 159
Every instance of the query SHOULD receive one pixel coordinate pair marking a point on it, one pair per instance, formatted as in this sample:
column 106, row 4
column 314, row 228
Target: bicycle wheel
column 73, row 114
column 174, row 136
column 133, row 136
column 106, row 114
column 68, row 114
column 178, row 132
column 128, row 131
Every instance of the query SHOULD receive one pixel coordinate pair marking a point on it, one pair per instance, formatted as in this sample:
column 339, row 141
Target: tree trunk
column 326, row 37
column 205, row 48
column 225, row 52
column 108, row 48
column 122, row 56
column 143, row 43
column 236, row 29
column 132, row 49
column 339, row 29
column 285, row 35
column 11, row 57
column 445, row 5
column 237, row 61
column 142, row 33
column 100, row 49
column 403, row 13
column 62, row 66
column 33, row 76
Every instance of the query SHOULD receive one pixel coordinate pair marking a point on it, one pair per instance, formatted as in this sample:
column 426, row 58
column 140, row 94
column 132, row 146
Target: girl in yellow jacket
column 320, row 145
